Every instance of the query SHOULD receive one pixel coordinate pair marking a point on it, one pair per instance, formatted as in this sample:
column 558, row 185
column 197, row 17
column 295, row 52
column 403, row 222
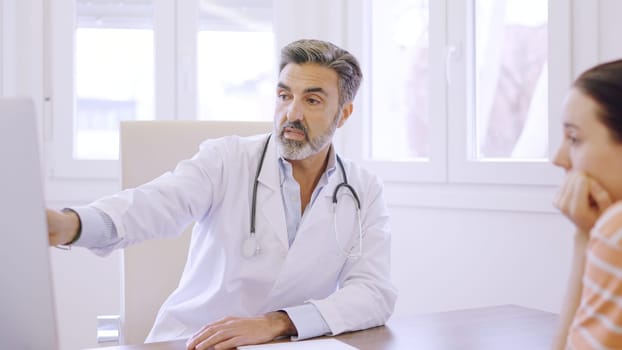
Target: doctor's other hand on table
column 290, row 239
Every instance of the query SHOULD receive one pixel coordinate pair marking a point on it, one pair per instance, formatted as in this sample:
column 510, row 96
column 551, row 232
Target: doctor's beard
column 297, row 150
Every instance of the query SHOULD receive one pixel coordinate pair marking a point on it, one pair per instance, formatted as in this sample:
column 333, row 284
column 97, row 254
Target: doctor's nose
column 294, row 112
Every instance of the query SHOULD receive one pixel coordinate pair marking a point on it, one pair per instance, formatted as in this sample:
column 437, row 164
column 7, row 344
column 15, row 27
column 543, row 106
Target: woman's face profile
column 588, row 146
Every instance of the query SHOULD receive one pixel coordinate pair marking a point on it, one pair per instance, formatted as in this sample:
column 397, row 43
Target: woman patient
column 591, row 197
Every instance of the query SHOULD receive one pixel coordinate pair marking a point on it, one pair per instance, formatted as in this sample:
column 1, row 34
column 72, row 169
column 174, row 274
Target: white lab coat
column 214, row 188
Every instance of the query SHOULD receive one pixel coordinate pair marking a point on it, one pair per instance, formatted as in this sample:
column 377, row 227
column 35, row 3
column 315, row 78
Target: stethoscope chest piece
column 250, row 247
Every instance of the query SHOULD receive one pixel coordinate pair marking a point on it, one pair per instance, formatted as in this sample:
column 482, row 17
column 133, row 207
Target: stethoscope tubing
column 248, row 248
column 255, row 184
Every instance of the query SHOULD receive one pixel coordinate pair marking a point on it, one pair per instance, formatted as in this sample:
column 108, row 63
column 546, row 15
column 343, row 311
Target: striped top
column 597, row 323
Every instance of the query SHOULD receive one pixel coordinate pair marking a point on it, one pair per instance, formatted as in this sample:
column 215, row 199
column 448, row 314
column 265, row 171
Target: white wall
column 449, row 258
column 610, row 27
column 452, row 248
column 85, row 286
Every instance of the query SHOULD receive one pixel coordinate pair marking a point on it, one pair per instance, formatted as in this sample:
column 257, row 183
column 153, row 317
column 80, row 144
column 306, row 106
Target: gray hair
column 328, row 55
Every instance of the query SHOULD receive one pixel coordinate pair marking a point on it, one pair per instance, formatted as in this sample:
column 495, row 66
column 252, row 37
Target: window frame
column 3, row 38
column 175, row 61
column 175, row 27
column 61, row 90
column 7, row 47
column 521, row 172
column 434, row 169
column 448, row 161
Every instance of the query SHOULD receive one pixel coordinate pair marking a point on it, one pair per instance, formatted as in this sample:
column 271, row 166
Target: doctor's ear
column 346, row 111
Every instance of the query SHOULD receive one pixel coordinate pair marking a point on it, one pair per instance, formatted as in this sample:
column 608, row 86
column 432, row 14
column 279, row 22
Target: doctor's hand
column 231, row 332
column 582, row 200
column 63, row 226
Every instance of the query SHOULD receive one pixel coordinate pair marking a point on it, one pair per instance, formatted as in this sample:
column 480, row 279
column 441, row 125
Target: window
column 502, row 95
column 403, row 92
column 446, row 96
column 510, row 84
column 114, row 74
column 2, row 41
column 236, row 61
column 462, row 91
column 400, row 75
column 115, row 60
column 8, row 47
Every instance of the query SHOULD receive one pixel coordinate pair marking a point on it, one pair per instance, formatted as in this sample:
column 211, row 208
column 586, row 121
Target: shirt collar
column 285, row 167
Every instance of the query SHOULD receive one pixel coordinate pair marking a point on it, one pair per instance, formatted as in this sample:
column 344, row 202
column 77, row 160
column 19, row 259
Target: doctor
column 290, row 239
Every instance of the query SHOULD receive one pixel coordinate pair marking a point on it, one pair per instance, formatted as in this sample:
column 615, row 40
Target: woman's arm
column 582, row 200
column 573, row 291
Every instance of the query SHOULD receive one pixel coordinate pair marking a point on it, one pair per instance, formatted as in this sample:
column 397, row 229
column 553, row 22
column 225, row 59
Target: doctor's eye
column 313, row 101
column 283, row 96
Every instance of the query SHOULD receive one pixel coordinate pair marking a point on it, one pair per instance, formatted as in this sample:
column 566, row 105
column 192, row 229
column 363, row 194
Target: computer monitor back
column 28, row 319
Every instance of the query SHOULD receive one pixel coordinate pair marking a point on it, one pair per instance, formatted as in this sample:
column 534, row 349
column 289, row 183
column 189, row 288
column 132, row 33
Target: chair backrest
column 152, row 269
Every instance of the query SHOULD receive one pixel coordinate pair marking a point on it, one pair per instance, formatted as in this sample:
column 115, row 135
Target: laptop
column 28, row 318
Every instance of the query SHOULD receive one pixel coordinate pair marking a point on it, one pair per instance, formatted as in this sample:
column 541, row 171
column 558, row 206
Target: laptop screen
column 26, row 299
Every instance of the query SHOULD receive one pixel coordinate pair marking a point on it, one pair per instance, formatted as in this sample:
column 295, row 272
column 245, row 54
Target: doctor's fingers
column 225, row 343
column 54, row 227
column 221, row 328
column 222, row 321
column 218, row 341
column 227, row 337
column 204, row 333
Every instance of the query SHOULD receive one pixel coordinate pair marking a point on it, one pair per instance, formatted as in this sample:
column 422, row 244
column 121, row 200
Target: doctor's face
column 588, row 145
column 307, row 110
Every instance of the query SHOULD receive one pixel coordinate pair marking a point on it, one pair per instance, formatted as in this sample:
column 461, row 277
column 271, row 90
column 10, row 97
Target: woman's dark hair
column 603, row 83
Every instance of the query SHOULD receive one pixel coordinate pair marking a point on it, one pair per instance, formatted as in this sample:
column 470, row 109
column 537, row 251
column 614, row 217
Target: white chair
column 152, row 269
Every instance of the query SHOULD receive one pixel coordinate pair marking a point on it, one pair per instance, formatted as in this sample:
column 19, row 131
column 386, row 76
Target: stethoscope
column 251, row 246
